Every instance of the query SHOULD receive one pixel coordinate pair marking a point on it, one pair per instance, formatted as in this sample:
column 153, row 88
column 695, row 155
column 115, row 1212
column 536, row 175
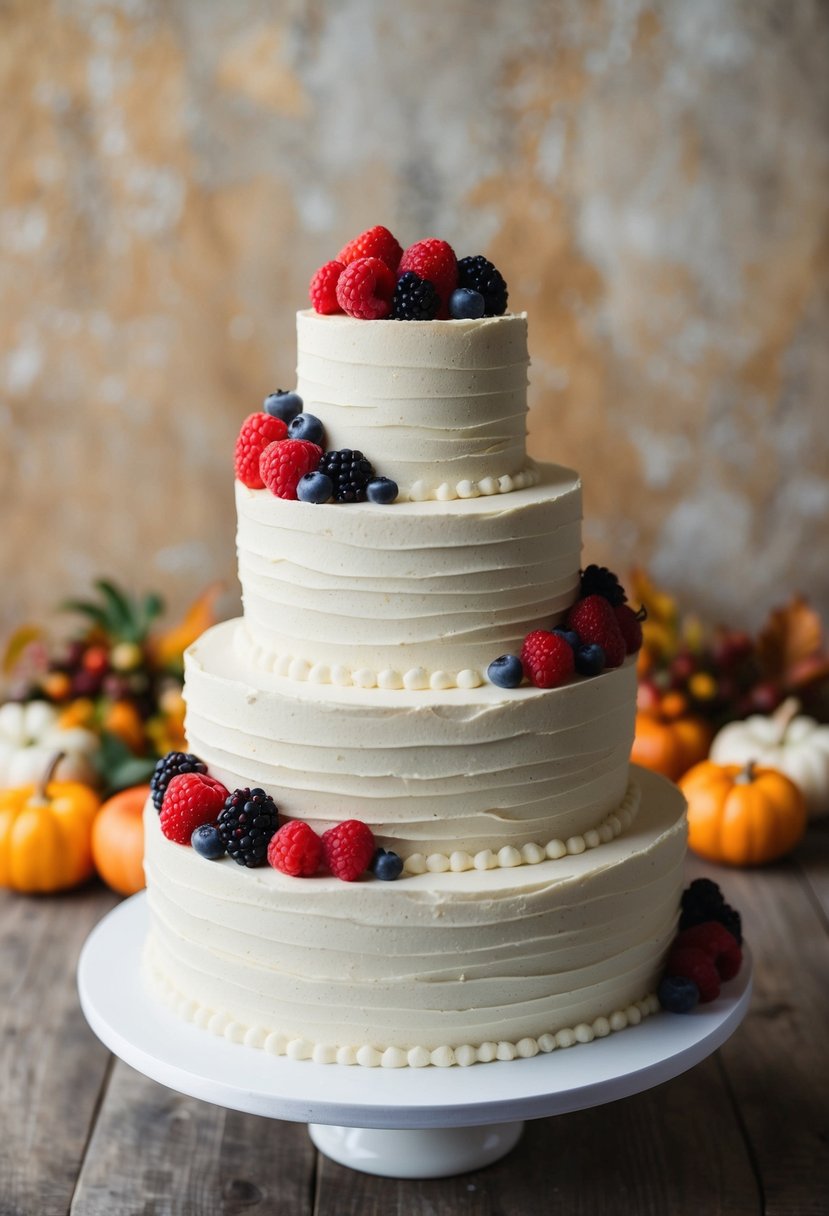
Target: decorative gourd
column 742, row 816
column 30, row 734
column 46, row 834
column 118, row 840
column 668, row 740
column 795, row 744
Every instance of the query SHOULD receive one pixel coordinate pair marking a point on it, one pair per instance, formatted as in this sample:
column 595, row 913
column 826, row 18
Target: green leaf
column 120, row 611
column 118, row 767
column 152, row 608
column 94, row 611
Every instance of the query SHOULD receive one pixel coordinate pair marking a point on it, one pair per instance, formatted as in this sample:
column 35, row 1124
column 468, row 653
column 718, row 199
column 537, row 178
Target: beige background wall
column 651, row 177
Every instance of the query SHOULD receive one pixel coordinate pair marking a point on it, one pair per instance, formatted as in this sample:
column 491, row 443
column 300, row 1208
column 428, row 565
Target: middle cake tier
column 459, row 770
column 415, row 595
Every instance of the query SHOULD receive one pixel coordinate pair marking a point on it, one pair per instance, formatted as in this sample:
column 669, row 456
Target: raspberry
column 594, row 620
column 246, row 823
column 348, row 849
column 598, row 580
column 365, row 289
column 433, row 260
column 282, row 464
column 191, row 799
column 414, row 299
column 323, row 288
column 170, row 766
column 692, row 963
column 296, row 849
column 258, row 430
column 630, row 624
column 720, row 946
column 547, row 659
column 376, row 242
column 478, row 274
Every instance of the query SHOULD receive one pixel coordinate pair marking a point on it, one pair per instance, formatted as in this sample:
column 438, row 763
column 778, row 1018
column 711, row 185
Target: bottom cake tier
column 436, row 968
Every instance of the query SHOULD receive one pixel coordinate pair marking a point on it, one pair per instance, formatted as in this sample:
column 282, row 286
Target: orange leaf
column 168, row 647
column 17, row 643
column 791, row 636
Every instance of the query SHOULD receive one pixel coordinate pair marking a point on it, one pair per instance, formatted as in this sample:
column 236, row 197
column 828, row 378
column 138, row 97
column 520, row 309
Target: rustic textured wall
column 652, row 178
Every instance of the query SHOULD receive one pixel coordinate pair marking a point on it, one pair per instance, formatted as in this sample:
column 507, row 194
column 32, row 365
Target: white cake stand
column 399, row 1123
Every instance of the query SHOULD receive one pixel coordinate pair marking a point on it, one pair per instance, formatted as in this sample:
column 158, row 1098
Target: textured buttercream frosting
column 417, row 587
column 435, row 960
column 430, row 403
column 455, row 770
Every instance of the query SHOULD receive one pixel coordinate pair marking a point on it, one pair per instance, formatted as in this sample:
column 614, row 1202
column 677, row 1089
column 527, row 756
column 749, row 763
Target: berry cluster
column 706, row 952
column 373, row 277
column 599, row 631
column 197, row 809
column 281, row 449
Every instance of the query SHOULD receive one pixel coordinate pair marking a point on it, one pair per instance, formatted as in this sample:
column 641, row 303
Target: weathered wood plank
column 155, row 1152
column 52, row 1066
column 673, row 1150
column 812, row 856
column 777, row 1064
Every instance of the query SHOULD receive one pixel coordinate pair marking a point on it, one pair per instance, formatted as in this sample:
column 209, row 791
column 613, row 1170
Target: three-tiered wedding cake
column 542, row 874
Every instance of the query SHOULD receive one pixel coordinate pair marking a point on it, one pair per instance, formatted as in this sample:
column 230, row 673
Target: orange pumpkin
column 118, row 840
column 45, row 834
column 669, row 741
column 742, row 816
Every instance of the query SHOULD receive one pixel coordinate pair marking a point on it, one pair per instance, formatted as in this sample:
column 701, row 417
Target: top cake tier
column 438, row 406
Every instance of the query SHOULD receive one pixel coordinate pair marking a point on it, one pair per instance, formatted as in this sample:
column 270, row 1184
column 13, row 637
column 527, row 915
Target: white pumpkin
column 794, row 744
column 30, row 734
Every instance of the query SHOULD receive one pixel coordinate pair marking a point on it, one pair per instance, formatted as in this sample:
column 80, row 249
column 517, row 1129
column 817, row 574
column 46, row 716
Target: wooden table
column 745, row 1132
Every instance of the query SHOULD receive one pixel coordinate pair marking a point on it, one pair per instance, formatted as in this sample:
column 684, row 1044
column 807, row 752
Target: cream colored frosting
column 438, row 961
column 460, row 769
column 428, row 402
column 419, row 587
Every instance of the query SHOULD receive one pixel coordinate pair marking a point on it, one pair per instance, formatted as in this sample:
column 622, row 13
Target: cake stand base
column 437, row 1152
column 398, row 1123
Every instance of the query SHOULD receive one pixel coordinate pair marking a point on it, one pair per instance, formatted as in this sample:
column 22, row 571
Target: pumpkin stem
column 747, row 775
column 40, row 796
column 784, row 715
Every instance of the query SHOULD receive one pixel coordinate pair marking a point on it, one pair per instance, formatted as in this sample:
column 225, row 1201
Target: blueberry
column 678, row 995
column 315, row 487
column 381, row 490
column 570, row 636
column 387, row 865
column 466, row 304
column 590, row 659
column 306, row 426
column 283, row 404
column 506, row 672
column 207, row 842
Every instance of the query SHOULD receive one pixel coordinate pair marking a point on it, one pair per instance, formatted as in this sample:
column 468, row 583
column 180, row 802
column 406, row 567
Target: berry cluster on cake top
column 373, row 277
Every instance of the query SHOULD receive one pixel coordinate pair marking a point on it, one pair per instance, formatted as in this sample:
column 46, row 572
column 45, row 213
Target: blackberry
column 170, row 766
column 415, row 299
column 350, row 474
column 246, row 823
column 598, row 580
column 479, row 274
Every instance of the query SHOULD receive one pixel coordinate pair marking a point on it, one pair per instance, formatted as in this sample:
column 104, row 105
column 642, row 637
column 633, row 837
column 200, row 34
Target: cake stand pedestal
column 399, row 1123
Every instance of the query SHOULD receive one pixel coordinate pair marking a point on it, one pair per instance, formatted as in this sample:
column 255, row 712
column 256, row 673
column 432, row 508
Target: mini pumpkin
column 31, row 733
column 742, row 815
column 786, row 740
column 668, row 740
column 45, row 834
column 118, row 840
